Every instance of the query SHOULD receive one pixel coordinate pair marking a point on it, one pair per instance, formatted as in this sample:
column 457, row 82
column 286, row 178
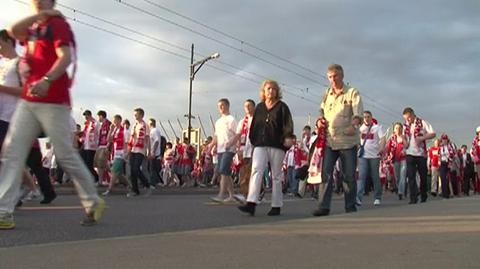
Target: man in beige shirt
column 342, row 109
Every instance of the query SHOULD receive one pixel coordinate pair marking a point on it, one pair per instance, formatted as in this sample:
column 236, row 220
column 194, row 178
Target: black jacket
column 270, row 127
column 469, row 166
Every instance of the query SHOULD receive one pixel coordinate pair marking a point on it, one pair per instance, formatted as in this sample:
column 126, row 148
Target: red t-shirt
column 40, row 55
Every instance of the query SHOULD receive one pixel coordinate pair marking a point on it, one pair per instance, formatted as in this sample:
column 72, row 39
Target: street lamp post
column 194, row 67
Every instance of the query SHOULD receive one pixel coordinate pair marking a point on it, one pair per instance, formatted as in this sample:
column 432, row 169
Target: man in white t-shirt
column 245, row 149
column 417, row 131
column 372, row 139
column 224, row 139
column 155, row 153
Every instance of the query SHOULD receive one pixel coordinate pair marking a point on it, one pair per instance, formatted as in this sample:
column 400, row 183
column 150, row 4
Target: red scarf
column 243, row 137
column 103, row 136
column 89, row 127
column 416, row 132
column 140, row 136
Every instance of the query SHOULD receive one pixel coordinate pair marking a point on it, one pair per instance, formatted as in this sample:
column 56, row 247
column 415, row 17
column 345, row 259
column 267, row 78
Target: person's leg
column 326, row 187
column 444, row 178
column 34, row 161
column 454, row 180
column 23, row 128
column 374, row 172
column 55, row 122
column 135, row 163
column 422, row 171
column 275, row 157
column 349, row 165
column 259, row 164
column 435, row 180
column 245, row 174
column 412, row 178
column 362, row 176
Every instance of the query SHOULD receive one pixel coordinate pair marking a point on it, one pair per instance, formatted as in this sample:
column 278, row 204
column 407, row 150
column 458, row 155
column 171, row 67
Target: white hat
column 478, row 129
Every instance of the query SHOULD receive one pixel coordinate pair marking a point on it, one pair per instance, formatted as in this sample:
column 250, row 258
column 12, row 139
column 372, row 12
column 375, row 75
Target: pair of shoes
column 350, row 210
column 217, row 199
column 248, row 208
column 106, row 193
column 275, row 211
column 48, row 199
column 376, row 202
column 358, row 202
column 423, row 200
column 19, row 203
column 434, row 194
column 298, row 195
column 412, row 202
column 240, row 198
column 400, row 197
column 6, row 221
column 95, row 213
column 132, row 194
column 321, row 212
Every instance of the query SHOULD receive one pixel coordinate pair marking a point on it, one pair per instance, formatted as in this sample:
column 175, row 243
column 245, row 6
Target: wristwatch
column 47, row 79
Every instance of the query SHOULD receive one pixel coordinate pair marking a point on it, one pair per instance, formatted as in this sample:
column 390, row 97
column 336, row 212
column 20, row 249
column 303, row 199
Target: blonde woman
column 271, row 125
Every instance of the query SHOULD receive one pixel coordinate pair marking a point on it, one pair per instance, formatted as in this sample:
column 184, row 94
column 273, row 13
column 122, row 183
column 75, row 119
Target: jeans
column 292, row 180
column 88, row 157
column 417, row 164
column 400, row 175
column 348, row 158
column 369, row 167
column 154, row 168
column 28, row 121
column 136, row 160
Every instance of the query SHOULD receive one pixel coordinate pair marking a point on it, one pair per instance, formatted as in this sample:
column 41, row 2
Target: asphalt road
column 164, row 211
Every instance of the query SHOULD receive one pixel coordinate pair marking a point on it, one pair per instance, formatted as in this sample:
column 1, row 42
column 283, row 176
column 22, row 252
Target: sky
column 136, row 53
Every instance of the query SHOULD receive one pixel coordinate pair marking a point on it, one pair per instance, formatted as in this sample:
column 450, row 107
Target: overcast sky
column 423, row 54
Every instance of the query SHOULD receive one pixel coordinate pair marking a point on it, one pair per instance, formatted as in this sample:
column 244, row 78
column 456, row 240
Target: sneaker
column 131, row 194
column 240, row 198
column 217, row 199
column 358, row 202
column 229, row 200
column 95, row 214
column 376, row 202
column 6, row 221
column 106, row 193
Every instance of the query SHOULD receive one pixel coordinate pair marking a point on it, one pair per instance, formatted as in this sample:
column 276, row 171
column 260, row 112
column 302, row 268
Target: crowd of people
column 348, row 151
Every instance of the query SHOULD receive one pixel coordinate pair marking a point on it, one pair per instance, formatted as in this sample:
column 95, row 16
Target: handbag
column 361, row 150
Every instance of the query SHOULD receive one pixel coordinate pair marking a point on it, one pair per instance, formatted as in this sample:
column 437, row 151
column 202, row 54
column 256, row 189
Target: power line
column 243, row 42
column 123, row 2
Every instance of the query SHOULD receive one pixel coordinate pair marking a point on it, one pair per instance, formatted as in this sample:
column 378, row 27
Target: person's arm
column 287, row 126
column 19, row 30
column 357, row 110
column 15, row 91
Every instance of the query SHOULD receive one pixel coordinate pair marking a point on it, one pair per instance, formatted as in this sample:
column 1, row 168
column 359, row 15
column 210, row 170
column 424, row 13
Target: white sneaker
column 376, row 202
column 217, row 199
column 240, row 198
column 106, row 193
column 358, row 202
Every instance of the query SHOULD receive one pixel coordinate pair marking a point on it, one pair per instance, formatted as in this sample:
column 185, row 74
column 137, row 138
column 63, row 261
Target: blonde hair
column 335, row 67
column 275, row 86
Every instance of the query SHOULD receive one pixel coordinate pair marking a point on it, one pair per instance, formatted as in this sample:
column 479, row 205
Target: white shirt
column 414, row 149
column 155, row 137
column 8, row 77
column 225, row 131
column 373, row 137
column 290, row 156
column 248, row 147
